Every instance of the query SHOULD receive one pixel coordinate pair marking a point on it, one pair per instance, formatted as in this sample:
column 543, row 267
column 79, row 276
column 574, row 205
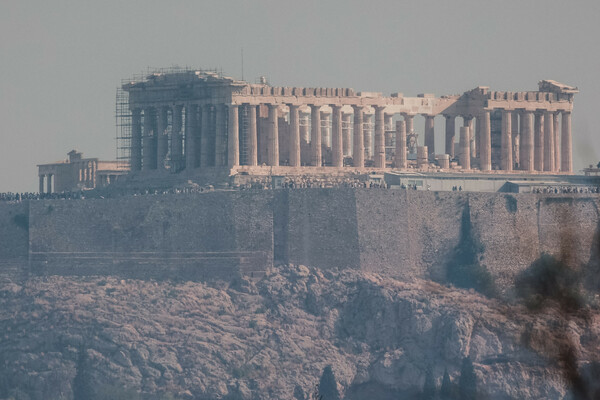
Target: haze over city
column 62, row 61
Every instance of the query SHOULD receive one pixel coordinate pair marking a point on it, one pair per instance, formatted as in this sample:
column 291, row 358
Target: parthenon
column 190, row 119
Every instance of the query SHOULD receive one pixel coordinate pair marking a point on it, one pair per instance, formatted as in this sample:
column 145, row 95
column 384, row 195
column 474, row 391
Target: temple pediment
column 548, row 85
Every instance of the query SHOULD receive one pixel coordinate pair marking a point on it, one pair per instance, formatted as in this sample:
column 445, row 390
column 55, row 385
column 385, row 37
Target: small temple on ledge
column 183, row 120
column 77, row 173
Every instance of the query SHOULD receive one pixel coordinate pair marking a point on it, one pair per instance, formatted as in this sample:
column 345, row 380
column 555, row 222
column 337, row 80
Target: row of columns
column 47, row 178
column 541, row 147
column 544, row 144
column 204, row 143
column 340, row 136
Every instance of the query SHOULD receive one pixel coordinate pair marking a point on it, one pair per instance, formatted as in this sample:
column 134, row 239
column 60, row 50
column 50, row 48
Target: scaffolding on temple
column 123, row 127
column 123, row 113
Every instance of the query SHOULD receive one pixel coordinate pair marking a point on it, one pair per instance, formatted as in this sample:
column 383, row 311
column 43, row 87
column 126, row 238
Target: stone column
column 556, row 141
column 347, row 134
column 205, row 149
column 93, row 172
column 444, row 161
column 358, row 153
column 539, row 141
column 465, row 151
column 400, row 156
column 162, row 145
column 367, row 136
column 325, row 131
column 515, row 137
column 485, row 145
column 410, row 133
column 176, row 138
column 252, row 140
column 514, row 122
column 548, row 142
column 522, row 140
column 136, row 140
column 476, row 139
column 305, row 128
column 450, row 133
column 389, row 120
column 430, row 136
column 379, row 138
column 468, row 122
column 409, row 120
column 273, row 136
column 220, row 136
column 527, row 143
column 148, row 140
column 506, row 160
column 191, row 121
column 49, row 183
column 566, row 164
column 315, row 133
column 389, row 133
column 336, row 136
column 295, row 160
column 41, row 187
column 233, row 137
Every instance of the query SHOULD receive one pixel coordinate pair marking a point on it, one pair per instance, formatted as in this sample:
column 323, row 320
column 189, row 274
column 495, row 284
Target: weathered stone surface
column 202, row 340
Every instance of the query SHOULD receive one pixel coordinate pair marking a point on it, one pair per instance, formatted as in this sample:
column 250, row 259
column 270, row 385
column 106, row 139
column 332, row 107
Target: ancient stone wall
column 400, row 233
column 193, row 236
column 317, row 227
column 14, row 228
column 408, row 234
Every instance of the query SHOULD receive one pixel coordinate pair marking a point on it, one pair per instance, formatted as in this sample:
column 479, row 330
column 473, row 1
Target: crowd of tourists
column 18, row 197
column 311, row 182
column 261, row 184
column 568, row 189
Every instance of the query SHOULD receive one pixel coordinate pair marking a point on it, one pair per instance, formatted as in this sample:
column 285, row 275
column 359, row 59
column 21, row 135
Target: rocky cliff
column 272, row 338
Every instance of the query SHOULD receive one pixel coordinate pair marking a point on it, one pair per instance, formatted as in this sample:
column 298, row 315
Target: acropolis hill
column 181, row 128
column 249, row 235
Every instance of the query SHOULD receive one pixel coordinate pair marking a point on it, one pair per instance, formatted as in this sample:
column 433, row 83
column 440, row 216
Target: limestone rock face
column 272, row 338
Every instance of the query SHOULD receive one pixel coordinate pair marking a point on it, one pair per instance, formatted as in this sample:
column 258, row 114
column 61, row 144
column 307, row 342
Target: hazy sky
column 61, row 61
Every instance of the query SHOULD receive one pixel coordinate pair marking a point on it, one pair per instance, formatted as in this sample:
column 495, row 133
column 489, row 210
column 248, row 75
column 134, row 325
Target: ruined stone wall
column 14, row 228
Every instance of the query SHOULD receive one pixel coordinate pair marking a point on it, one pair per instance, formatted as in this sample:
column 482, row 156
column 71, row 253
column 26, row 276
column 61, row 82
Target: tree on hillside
column 429, row 388
column 82, row 383
column 328, row 386
column 447, row 389
column 467, row 384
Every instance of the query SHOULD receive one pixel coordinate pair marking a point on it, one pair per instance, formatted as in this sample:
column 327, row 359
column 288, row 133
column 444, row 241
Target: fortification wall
column 404, row 233
column 317, row 227
column 14, row 232
column 400, row 233
column 407, row 233
column 194, row 236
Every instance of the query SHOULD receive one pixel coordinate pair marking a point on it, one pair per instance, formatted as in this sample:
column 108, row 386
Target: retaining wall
column 14, row 233
column 400, row 233
column 193, row 236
